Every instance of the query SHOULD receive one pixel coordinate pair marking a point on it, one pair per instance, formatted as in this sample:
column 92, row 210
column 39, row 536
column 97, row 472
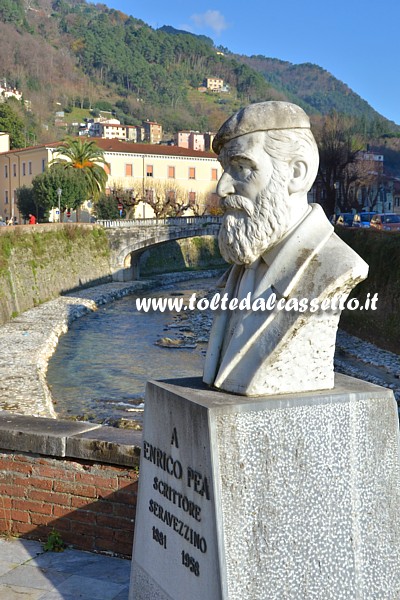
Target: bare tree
column 206, row 203
column 338, row 143
column 167, row 198
column 128, row 197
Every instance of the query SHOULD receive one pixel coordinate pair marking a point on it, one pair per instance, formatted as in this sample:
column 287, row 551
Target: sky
column 356, row 41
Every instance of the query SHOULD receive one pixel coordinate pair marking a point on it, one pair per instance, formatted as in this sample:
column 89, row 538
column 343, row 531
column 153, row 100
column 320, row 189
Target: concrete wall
column 38, row 263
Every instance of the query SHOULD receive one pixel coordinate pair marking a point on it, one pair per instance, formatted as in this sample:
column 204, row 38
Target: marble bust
column 280, row 247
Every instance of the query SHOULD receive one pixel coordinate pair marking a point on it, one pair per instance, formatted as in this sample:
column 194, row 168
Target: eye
column 242, row 169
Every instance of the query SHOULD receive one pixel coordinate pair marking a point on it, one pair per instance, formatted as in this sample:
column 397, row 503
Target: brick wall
column 78, row 478
column 91, row 505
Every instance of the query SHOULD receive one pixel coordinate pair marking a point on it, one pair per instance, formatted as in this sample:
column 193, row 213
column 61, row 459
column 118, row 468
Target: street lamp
column 336, row 187
column 59, row 192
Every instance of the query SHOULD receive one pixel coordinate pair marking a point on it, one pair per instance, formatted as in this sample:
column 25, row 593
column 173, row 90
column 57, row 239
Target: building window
column 214, row 174
column 213, row 202
column 30, row 168
column 6, row 171
column 192, row 173
column 14, row 170
column 149, row 171
column 171, row 172
column 128, row 170
column 397, row 202
column 43, row 165
column 192, row 198
column 171, row 195
column 23, row 169
column 6, row 197
column 148, row 195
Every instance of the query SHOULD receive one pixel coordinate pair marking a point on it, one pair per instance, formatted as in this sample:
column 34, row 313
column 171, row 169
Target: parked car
column 363, row 219
column 386, row 222
column 344, row 219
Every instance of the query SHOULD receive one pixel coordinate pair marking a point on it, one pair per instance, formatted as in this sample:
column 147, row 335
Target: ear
column 299, row 172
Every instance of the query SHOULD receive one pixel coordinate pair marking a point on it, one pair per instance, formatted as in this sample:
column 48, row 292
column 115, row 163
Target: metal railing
column 170, row 221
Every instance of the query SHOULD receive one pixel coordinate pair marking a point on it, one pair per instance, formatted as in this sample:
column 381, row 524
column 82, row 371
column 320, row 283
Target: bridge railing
column 175, row 221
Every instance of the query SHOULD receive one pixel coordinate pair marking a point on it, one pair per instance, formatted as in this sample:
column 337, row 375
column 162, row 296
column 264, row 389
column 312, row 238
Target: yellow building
column 112, row 131
column 152, row 132
column 17, row 169
column 215, row 84
column 142, row 168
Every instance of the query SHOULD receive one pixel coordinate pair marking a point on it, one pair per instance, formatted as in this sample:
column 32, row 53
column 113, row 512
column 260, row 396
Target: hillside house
column 113, row 131
column 152, row 132
column 190, row 139
column 8, row 92
column 214, row 84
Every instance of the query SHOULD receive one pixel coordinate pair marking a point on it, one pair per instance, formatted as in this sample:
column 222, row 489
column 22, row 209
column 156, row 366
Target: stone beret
column 262, row 116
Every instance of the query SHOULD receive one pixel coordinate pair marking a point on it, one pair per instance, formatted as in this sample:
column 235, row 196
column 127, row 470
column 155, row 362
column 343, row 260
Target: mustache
column 238, row 203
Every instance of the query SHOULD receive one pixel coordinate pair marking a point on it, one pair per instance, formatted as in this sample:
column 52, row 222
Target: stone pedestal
column 290, row 497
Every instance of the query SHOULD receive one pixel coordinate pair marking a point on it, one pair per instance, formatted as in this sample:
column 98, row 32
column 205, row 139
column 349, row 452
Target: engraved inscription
column 190, row 563
column 177, row 498
column 162, row 460
column 174, row 438
column 160, row 537
column 199, row 483
column 195, row 485
column 177, row 525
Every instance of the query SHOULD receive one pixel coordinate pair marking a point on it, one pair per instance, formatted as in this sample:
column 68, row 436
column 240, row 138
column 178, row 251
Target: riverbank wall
column 381, row 250
column 38, row 263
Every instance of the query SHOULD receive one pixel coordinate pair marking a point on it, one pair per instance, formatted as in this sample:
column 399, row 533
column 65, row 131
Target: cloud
column 211, row 19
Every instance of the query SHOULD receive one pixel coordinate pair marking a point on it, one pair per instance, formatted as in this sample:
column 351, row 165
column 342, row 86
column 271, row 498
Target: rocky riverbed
column 28, row 341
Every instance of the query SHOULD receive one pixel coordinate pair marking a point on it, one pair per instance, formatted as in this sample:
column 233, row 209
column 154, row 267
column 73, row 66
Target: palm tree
column 78, row 153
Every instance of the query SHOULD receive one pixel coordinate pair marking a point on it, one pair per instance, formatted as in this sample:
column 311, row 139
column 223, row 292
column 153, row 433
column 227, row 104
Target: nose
column 225, row 185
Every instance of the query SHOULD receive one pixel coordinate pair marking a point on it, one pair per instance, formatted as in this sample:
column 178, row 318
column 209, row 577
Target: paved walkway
column 29, row 573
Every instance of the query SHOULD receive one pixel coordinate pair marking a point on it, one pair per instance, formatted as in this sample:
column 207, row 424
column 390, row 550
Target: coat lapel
column 293, row 255
column 218, row 328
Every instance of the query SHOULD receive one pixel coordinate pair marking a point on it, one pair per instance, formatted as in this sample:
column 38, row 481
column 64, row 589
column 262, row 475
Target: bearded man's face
column 254, row 196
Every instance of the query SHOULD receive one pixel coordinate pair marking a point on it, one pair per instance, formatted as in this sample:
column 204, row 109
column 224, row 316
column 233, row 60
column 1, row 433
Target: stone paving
column 29, row 573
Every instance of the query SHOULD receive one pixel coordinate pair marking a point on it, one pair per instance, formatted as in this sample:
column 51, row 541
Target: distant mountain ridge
column 318, row 89
column 174, row 31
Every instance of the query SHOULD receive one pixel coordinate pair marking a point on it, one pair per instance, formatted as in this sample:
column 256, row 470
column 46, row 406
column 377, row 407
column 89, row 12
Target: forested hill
column 309, row 83
column 64, row 54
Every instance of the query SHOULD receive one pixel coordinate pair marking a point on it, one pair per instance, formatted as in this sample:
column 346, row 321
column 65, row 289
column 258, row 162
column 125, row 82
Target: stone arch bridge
column 128, row 239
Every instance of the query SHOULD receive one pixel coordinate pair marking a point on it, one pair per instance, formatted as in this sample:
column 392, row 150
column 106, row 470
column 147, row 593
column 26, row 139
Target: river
column 101, row 365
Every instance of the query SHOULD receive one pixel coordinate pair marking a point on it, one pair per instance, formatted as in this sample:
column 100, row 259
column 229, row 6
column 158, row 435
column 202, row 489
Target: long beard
column 248, row 229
